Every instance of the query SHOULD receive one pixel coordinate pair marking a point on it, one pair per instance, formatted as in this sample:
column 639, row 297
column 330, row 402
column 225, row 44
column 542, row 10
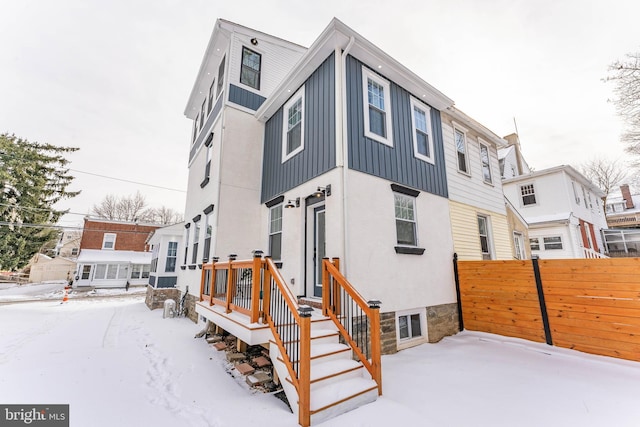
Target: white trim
column 411, row 340
column 285, row 124
column 427, row 112
column 463, row 131
column 489, row 235
column 412, row 199
column 366, row 75
column 483, row 143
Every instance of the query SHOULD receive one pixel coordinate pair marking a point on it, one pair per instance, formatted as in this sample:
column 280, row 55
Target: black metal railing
column 220, row 289
column 243, row 287
column 352, row 318
column 285, row 325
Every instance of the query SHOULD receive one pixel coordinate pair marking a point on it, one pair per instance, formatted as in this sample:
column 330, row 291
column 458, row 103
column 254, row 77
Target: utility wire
column 86, row 230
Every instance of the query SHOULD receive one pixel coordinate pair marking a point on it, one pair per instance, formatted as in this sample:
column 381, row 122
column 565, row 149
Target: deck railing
column 357, row 320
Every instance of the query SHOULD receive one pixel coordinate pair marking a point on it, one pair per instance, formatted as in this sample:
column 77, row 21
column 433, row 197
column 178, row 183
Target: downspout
column 345, row 150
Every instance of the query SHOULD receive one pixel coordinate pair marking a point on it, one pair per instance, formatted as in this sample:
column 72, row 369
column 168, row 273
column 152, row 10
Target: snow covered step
column 333, row 371
column 340, row 397
column 322, row 352
column 324, row 336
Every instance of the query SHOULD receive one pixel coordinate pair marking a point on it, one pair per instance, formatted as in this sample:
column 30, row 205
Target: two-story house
column 622, row 239
column 165, row 244
column 113, row 253
column 563, row 210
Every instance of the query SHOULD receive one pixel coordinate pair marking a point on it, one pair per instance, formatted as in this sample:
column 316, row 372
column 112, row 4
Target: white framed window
column 377, row 107
column 484, row 231
column 518, row 245
column 552, row 242
column 528, row 195
column 410, row 325
column 196, row 240
column 109, row 241
column 485, row 162
column 406, row 226
column 140, row 271
column 293, row 126
column 172, row 254
column 220, row 76
column 422, row 133
column 250, row 68
column 460, row 140
column 110, row 272
column 74, row 251
column 186, row 244
column 86, row 272
column 275, row 232
column 534, row 243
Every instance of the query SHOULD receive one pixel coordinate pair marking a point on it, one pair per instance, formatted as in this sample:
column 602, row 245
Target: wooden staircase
column 328, row 359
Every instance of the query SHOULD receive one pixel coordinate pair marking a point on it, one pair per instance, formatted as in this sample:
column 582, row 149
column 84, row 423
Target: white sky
column 113, row 77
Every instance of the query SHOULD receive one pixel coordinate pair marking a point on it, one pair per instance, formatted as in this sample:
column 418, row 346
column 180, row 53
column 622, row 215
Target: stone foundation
column 157, row 296
column 388, row 338
column 190, row 307
column 442, row 321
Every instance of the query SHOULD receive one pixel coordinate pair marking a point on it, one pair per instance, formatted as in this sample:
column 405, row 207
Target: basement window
column 410, row 325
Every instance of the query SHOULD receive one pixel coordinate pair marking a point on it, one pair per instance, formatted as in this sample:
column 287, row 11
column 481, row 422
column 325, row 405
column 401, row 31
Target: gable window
column 220, row 76
column 250, row 72
column 554, row 242
column 377, row 107
column 109, row 241
column 460, row 139
column 422, row 140
column 486, row 163
column 534, row 243
column 410, row 325
column 293, row 126
column 212, row 89
column 405, row 220
column 518, row 245
column 172, row 253
column 528, row 194
column 275, row 232
column 484, row 230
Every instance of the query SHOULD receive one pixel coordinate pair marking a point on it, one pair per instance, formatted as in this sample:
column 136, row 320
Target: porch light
column 293, row 203
column 322, row 191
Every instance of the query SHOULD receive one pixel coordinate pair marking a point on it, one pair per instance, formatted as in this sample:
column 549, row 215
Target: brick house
column 113, row 253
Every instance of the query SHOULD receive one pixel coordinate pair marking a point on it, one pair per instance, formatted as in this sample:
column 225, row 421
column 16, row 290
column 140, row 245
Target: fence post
column 202, row 276
column 326, row 292
column 304, row 375
column 231, row 283
column 255, row 286
column 335, row 291
column 212, row 292
column 543, row 305
column 457, row 279
column 266, row 286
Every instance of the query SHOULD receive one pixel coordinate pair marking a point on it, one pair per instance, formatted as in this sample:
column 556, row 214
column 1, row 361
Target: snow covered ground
column 118, row 364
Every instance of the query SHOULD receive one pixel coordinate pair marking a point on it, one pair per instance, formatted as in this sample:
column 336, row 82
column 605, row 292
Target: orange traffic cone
column 65, row 298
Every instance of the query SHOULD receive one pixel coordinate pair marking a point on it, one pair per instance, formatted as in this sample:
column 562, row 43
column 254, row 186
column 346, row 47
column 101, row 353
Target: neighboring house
column 478, row 214
column 113, row 253
column 69, row 244
column 511, row 161
column 44, row 268
column 623, row 218
column 563, row 211
column 166, row 245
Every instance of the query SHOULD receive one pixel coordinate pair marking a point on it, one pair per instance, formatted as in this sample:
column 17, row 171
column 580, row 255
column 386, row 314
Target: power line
column 97, row 230
column 43, row 209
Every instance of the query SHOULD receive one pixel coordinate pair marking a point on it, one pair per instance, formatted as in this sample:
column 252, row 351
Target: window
column 250, row 72
column 461, row 149
column 484, row 230
column 207, row 167
column 422, row 141
column 293, row 126
column 377, row 107
column 575, row 193
column 534, row 243
column 409, row 326
column 140, row 271
column 203, row 113
column 110, row 272
column 486, row 163
column 196, row 238
column 86, row 271
column 172, row 253
column 196, row 126
column 518, row 245
column 212, row 89
column 405, row 220
column 528, row 194
column 109, row 241
column 275, row 232
column 208, row 232
column 74, row 251
column 186, row 244
column 220, row 76
column 551, row 243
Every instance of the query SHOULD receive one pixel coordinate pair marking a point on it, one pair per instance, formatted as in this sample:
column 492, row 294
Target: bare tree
column 625, row 74
column 165, row 215
column 605, row 173
column 125, row 208
column 107, row 208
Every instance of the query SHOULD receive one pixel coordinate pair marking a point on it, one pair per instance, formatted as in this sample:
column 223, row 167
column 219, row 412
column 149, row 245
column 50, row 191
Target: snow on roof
column 564, row 216
column 97, row 255
column 504, row 152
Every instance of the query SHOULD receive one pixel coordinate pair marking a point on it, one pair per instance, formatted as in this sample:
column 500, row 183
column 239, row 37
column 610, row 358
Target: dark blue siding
column 204, row 134
column 319, row 154
column 245, row 98
column 397, row 163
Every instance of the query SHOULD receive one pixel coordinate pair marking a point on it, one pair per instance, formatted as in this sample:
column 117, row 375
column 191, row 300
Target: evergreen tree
column 33, row 178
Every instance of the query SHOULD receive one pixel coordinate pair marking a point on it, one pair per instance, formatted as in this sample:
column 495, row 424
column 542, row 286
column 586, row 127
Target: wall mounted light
column 322, row 191
column 254, row 41
column 293, row 203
